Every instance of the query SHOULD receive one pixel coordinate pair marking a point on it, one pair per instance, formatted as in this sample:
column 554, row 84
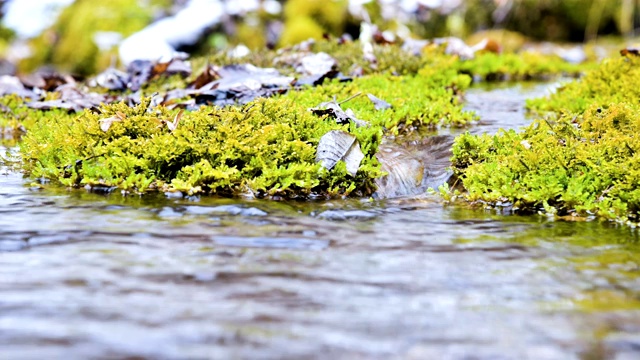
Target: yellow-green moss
column 521, row 66
column 613, row 81
column 584, row 163
column 267, row 147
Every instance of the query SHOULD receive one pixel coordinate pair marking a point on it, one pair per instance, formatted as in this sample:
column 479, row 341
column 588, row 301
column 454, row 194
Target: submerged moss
column 583, row 162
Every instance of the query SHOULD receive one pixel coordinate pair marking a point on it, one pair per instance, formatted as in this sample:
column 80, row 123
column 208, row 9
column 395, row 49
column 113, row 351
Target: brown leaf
column 105, row 124
column 174, row 124
column 208, row 75
column 630, row 52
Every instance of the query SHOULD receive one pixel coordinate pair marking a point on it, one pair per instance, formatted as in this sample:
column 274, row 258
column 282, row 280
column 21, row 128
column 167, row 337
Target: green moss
column 613, row 81
column 522, row 66
column 574, row 166
column 582, row 160
column 267, row 147
column 17, row 118
column 427, row 100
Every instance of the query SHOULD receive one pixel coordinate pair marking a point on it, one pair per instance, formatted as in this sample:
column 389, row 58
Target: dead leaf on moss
column 378, row 103
column 338, row 145
column 105, row 124
column 12, row 85
column 630, row 51
column 334, row 110
column 111, row 79
column 47, row 80
column 72, row 99
column 172, row 125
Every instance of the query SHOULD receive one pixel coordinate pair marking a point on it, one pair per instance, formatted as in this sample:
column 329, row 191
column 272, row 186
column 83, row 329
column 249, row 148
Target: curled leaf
column 338, row 145
column 378, row 103
column 174, row 124
column 105, row 124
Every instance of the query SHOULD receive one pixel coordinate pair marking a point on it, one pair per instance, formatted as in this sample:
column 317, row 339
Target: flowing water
column 92, row 276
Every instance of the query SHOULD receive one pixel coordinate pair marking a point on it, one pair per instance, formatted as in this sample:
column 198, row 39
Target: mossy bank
column 264, row 148
column 580, row 160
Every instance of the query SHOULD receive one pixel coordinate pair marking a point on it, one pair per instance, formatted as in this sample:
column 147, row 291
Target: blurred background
column 86, row 36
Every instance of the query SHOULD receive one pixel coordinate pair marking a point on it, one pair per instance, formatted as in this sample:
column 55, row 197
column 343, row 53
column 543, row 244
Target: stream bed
column 92, row 276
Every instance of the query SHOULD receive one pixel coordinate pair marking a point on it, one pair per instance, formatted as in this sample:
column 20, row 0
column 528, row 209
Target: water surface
column 86, row 275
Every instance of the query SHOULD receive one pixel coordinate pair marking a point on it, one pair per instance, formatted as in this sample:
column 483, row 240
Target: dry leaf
column 338, row 145
column 105, row 124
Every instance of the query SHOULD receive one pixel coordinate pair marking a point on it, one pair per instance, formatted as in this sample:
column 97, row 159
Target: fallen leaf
column 378, row 103
column 140, row 72
column 105, row 124
column 111, row 79
column 630, row 51
column 338, row 145
column 334, row 110
column 174, row 124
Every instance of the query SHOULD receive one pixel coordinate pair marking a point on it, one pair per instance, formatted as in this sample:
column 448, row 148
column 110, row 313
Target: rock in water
column 337, row 145
column 414, row 167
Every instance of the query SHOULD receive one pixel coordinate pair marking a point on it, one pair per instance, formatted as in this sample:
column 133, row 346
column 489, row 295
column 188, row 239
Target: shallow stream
column 86, row 275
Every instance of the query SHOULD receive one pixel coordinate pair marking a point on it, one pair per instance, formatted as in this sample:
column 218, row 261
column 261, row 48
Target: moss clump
column 267, row 147
column 522, row 66
column 584, row 163
column 392, row 59
column 427, row 100
column 613, row 81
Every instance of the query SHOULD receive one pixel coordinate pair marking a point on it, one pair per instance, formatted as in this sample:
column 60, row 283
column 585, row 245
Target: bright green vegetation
column 613, row 81
column 427, row 100
column 521, row 66
column 582, row 161
column 267, row 147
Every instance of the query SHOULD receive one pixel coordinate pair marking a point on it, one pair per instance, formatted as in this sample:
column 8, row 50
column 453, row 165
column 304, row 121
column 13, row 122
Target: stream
column 92, row 276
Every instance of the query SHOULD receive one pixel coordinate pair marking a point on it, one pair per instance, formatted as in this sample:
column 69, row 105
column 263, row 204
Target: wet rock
column 225, row 209
column 12, row 85
column 413, row 168
column 342, row 215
